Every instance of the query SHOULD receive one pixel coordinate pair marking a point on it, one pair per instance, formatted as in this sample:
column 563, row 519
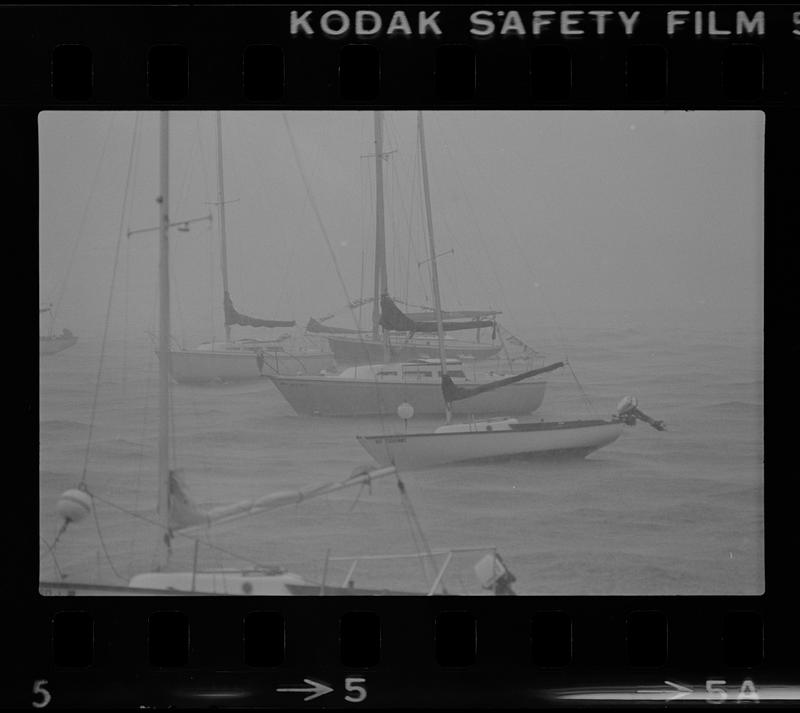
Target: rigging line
column 126, row 305
column 399, row 197
column 50, row 547
column 145, row 413
column 212, row 284
column 103, row 544
column 285, row 296
column 203, row 160
column 324, row 232
column 158, row 525
column 427, row 281
column 364, row 196
column 586, row 398
column 171, row 406
column 409, row 508
column 510, row 231
column 424, row 282
column 52, row 553
column 398, row 191
column 363, row 199
column 482, row 244
column 120, row 235
column 416, row 521
column 415, row 540
column 315, row 209
column 210, row 242
column 126, row 310
column 362, row 283
column 84, row 217
column 179, row 204
column 475, row 223
column 253, row 166
column 175, row 295
column 416, row 184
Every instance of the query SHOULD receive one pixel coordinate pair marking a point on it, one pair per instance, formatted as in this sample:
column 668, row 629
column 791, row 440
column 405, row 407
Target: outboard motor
column 493, row 574
column 628, row 412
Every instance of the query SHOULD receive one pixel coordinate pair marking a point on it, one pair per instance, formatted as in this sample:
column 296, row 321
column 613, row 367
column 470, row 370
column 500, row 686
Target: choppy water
column 679, row 512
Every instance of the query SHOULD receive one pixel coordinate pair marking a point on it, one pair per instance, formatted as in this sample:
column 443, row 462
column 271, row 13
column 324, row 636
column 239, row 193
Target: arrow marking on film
column 316, row 689
column 681, row 690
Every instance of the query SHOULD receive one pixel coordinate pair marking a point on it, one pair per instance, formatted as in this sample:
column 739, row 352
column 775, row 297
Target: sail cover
column 316, row 327
column 451, row 392
column 234, row 317
column 396, row 321
column 430, row 316
column 184, row 513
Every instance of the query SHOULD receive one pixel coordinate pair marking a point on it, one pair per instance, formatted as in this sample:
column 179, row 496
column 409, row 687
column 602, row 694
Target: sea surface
column 674, row 512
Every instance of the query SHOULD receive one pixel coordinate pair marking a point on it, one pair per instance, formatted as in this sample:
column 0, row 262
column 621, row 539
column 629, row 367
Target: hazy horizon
column 560, row 219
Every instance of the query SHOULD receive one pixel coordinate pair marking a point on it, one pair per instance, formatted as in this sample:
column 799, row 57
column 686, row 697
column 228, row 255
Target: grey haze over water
column 630, row 241
column 561, row 219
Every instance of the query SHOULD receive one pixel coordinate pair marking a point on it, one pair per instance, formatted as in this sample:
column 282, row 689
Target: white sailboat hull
column 183, row 583
column 416, row 451
column 333, row 396
column 350, row 351
column 197, row 365
column 53, row 345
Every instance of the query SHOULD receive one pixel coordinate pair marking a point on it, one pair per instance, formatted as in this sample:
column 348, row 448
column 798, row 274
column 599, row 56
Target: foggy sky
column 571, row 219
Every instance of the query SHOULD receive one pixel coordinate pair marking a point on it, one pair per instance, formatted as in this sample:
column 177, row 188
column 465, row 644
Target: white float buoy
column 405, row 411
column 74, row 505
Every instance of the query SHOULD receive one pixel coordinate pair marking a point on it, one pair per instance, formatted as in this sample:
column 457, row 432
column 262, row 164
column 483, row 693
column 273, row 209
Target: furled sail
column 451, row 392
column 183, row 513
column 316, row 327
column 430, row 316
column 234, row 317
column 395, row 320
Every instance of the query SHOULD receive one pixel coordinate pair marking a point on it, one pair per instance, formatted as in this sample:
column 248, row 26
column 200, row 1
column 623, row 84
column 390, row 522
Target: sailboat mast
column 380, row 281
column 432, row 247
column 221, row 200
column 163, row 324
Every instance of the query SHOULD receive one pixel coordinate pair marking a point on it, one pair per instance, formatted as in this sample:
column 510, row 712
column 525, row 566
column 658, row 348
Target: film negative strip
column 615, row 183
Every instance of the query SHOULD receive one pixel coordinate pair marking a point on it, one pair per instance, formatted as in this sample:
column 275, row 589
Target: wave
column 120, row 448
column 730, row 407
column 60, row 425
column 741, row 384
column 616, row 332
column 234, row 436
column 120, row 441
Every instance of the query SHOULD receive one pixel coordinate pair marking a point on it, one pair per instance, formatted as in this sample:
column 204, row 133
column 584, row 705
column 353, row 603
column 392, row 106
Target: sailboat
column 497, row 438
column 243, row 359
column 400, row 341
column 54, row 343
column 396, row 370
column 178, row 516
